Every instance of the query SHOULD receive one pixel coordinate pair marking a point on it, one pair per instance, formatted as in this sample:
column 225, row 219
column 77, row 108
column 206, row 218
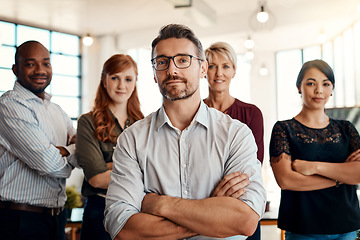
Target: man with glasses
column 186, row 170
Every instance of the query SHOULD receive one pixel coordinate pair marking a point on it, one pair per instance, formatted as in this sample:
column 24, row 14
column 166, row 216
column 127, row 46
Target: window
column 342, row 54
column 64, row 49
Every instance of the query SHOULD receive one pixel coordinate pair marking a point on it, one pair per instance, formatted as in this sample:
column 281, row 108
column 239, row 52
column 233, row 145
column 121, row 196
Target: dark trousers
column 92, row 227
column 24, row 225
column 257, row 234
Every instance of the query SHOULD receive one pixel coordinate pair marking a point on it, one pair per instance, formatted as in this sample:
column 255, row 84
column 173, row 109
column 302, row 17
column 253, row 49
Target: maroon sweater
column 252, row 117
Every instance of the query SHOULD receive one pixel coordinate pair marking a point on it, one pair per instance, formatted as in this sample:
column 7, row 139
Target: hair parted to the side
column 178, row 31
column 321, row 65
column 104, row 124
column 223, row 49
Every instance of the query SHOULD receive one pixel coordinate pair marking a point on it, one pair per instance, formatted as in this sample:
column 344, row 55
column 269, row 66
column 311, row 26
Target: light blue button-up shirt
column 32, row 171
column 154, row 156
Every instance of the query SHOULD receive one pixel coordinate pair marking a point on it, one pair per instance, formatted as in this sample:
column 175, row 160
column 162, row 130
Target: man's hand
column 232, row 185
column 63, row 151
column 72, row 140
column 354, row 157
column 304, row 167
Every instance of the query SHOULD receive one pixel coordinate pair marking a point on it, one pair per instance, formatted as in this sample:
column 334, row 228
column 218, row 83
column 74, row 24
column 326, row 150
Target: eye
column 161, row 61
column 310, row 84
column 226, row 66
column 47, row 64
column 212, row 66
column 327, row 84
column 29, row 64
column 114, row 78
column 129, row 79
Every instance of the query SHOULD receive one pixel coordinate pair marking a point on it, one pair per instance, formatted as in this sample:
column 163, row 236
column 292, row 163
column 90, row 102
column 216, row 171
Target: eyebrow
column 33, row 59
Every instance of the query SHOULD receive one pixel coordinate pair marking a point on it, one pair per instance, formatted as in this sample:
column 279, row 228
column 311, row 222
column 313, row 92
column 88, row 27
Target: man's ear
column 15, row 69
column 155, row 79
column 204, row 67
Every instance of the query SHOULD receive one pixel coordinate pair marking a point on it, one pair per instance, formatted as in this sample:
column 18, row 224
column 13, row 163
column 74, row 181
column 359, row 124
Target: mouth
column 219, row 81
column 39, row 79
column 318, row 99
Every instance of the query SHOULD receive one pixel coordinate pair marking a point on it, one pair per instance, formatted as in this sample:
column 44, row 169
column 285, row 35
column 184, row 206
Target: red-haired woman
column 116, row 107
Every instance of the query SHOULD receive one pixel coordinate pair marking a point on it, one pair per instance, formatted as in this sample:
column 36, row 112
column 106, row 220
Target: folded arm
column 214, row 216
column 347, row 172
column 289, row 179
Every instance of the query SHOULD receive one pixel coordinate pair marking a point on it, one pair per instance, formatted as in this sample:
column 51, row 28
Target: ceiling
column 136, row 22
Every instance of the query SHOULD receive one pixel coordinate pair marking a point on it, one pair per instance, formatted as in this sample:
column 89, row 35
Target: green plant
column 73, row 198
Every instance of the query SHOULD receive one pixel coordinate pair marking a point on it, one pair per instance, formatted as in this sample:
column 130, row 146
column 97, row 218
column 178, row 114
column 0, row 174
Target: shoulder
column 86, row 118
column 345, row 124
column 224, row 122
column 249, row 106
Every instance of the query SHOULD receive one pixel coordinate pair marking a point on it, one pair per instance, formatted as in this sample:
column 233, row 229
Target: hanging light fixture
column 87, row 40
column 263, row 70
column 249, row 43
column 322, row 38
column 249, row 55
column 262, row 18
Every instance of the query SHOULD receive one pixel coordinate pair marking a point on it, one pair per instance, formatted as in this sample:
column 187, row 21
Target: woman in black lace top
column 316, row 163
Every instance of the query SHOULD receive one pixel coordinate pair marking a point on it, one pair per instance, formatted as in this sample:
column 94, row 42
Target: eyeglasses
column 181, row 61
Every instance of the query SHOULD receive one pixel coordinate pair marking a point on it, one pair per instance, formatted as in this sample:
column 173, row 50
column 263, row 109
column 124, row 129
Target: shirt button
column 186, row 192
column 184, row 165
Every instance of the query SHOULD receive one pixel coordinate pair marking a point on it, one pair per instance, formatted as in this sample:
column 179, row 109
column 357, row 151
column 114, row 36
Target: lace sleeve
column 279, row 142
column 354, row 137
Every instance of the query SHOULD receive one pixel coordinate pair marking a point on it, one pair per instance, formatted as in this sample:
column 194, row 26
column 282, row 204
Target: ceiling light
column 249, row 43
column 249, row 55
column 262, row 16
column 88, row 40
column 322, row 38
column 263, row 70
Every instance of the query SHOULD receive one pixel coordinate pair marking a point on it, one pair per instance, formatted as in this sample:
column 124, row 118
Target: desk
column 74, row 226
column 270, row 218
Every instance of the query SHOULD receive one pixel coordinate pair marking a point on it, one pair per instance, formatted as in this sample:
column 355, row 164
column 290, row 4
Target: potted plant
column 73, row 199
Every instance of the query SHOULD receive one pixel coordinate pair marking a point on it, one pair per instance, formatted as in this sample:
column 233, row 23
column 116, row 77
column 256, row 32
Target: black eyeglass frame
column 188, row 55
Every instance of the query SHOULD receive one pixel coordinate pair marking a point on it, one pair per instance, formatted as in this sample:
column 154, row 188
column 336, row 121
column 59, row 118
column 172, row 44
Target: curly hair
column 104, row 124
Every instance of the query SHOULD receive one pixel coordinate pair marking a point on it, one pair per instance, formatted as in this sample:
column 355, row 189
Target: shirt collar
column 27, row 94
column 201, row 117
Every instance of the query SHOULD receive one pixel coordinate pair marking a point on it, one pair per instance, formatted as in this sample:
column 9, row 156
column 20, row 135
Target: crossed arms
column 222, row 215
column 301, row 175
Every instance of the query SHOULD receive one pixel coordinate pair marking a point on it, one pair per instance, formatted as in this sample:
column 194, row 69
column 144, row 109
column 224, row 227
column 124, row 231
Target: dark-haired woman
column 316, row 163
column 116, row 107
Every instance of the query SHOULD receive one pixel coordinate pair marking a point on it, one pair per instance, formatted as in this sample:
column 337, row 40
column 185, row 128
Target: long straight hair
column 104, row 124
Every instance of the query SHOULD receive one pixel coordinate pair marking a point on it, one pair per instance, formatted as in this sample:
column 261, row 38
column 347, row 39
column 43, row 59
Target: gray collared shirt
column 154, row 156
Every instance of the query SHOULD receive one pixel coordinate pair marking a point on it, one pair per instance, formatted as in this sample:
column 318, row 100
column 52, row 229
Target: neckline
column 330, row 120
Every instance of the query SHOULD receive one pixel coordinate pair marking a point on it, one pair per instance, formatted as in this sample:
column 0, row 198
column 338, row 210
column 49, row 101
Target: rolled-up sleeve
column 126, row 188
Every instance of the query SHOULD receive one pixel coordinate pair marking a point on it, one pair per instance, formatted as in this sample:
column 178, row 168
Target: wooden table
column 74, row 227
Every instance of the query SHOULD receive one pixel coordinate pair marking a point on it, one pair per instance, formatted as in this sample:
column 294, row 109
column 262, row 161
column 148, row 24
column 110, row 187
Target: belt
column 30, row 208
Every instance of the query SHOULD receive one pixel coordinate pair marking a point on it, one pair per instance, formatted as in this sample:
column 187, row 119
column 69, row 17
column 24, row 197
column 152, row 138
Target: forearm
column 289, row 179
column 347, row 172
column 214, row 217
column 101, row 180
column 146, row 226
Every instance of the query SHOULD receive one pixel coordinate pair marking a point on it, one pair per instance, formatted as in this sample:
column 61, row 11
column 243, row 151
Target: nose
column 172, row 69
column 39, row 69
column 219, row 71
column 318, row 89
column 121, row 84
